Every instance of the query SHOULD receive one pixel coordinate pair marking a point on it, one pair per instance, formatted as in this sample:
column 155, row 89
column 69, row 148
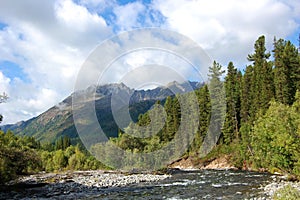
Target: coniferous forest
column 261, row 130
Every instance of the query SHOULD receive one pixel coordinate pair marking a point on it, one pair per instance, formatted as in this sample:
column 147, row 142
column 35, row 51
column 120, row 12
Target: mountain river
column 204, row 184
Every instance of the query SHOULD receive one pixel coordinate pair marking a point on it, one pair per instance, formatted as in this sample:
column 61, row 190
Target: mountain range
column 58, row 120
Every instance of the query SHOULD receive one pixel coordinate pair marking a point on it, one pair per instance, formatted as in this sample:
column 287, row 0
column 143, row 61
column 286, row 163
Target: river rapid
column 203, row 184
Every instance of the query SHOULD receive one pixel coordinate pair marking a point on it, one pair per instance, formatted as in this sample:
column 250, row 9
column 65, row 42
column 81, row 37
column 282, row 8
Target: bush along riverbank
column 24, row 155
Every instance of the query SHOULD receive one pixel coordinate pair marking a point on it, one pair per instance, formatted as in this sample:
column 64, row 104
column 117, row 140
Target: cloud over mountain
column 48, row 41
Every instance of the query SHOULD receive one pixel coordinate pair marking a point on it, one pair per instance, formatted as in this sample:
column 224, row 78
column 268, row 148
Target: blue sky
column 2, row 26
column 12, row 71
column 44, row 43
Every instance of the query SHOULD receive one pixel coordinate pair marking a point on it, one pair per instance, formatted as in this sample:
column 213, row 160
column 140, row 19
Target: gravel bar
column 73, row 185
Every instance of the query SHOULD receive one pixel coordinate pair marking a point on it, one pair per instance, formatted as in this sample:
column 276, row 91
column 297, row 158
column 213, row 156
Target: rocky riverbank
column 221, row 163
column 72, row 185
column 275, row 186
column 278, row 184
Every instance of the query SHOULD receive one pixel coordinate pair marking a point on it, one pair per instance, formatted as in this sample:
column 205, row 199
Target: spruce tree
column 246, row 97
column 169, row 126
column 218, row 105
column 216, row 88
column 262, row 85
column 66, row 142
column 239, row 85
column 231, row 125
column 204, row 117
column 286, row 71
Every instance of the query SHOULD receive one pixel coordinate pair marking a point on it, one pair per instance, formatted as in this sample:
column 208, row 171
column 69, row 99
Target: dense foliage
column 262, row 121
column 23, row 155
column 17, row 155
column 269, row 128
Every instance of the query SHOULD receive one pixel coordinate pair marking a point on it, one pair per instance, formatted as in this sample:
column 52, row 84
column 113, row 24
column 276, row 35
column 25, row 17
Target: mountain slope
column 58, row 120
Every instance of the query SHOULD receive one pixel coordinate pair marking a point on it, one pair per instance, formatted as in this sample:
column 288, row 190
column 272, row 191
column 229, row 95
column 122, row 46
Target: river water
column 208, row 184
column 204, row 184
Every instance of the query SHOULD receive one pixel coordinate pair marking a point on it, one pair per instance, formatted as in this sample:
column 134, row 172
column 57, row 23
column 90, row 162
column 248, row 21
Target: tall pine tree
column 246, row 97
column 218, row 105
column 262, row 85
column 286, row 71
column 204, row 117
column 231, row 125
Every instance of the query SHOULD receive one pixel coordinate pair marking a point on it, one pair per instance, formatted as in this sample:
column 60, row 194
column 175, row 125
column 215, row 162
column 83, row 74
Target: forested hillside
column 262, row 123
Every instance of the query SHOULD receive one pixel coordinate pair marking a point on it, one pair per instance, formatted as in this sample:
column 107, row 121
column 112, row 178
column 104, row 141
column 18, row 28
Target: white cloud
column 295, row 8
column 120, row 56
column 24, row 101
column 77, row 17
column 45, row 96
column 49, row 41
column 127, row 15
column 4, row 83
column 227, row 29
column 134, row 68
